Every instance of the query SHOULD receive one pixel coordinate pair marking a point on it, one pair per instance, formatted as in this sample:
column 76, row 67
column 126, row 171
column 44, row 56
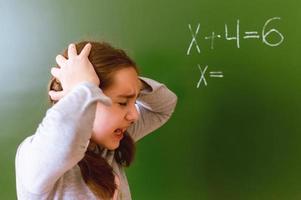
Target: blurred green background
column 235, row 139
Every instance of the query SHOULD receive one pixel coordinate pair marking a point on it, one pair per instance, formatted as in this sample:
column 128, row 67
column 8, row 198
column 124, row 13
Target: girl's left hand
column 72, row 71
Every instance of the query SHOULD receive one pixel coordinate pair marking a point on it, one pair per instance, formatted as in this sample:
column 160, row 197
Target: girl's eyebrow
column 128, row 96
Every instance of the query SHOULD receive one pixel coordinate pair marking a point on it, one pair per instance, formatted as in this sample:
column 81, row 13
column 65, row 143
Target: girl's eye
column 123, row 104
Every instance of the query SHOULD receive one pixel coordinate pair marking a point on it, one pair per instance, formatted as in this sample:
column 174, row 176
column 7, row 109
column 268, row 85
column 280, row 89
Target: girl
column 100, row 108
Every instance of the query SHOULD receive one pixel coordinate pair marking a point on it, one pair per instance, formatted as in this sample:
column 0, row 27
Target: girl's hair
column 95, row 170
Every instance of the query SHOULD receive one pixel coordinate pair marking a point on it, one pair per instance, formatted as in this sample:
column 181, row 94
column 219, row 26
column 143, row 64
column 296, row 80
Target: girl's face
column 112, row 121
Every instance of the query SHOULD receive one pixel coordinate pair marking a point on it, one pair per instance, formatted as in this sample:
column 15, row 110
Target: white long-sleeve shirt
column 46, row 162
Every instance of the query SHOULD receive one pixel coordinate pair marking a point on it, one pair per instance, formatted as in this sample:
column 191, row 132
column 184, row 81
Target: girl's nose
column 132, row 114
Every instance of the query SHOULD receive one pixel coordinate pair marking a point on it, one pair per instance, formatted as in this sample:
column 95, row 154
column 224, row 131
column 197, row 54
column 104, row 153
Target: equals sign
column 251, row 34
column 216, row 74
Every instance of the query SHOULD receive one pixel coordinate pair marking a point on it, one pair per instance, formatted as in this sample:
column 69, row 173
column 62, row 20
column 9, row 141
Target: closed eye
column 123, row 104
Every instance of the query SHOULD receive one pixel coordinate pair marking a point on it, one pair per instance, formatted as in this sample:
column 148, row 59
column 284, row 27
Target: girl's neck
column 94, row 147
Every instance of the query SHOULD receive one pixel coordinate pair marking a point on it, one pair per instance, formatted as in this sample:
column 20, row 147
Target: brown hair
column 96, row 172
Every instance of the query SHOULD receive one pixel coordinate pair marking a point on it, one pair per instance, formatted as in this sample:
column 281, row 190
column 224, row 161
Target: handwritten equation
column 262, row 35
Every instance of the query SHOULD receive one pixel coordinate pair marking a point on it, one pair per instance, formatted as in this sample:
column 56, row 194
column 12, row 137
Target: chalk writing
column 237, row 37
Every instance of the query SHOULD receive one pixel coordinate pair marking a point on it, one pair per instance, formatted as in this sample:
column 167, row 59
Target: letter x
column 193, row 40
column 202, row 76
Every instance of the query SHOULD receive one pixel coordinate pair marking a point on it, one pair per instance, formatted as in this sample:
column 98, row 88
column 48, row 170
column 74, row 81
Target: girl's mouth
column 119, row 133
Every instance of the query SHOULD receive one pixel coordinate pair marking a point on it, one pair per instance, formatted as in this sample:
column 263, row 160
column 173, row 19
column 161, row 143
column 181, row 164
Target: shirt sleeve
column 60, row 140
column 155, row 107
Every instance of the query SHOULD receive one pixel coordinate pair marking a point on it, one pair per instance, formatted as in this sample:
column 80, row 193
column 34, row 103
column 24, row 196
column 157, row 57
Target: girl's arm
column 60, row 141
column 155, row 105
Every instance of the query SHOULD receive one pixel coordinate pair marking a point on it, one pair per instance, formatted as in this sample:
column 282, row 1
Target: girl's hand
column 72, row 71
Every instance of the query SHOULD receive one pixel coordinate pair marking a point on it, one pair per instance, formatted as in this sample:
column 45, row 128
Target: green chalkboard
column 234, row 65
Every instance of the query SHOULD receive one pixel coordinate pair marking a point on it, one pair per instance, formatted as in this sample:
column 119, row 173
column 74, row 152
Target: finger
column 56, row 95
column 55, row 72
column 72, row 51
column 60, row 60
column 86, row 50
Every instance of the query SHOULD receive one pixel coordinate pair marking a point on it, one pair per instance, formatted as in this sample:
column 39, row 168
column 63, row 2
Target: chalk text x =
column 213, row 74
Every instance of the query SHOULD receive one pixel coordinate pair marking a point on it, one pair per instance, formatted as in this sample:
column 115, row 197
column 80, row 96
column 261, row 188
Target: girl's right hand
column 72, row 71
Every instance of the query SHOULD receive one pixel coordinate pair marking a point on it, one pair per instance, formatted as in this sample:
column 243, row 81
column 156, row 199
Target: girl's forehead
column 125, row 82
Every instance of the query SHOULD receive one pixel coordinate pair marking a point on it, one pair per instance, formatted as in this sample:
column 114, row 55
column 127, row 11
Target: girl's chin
column 112, row 146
